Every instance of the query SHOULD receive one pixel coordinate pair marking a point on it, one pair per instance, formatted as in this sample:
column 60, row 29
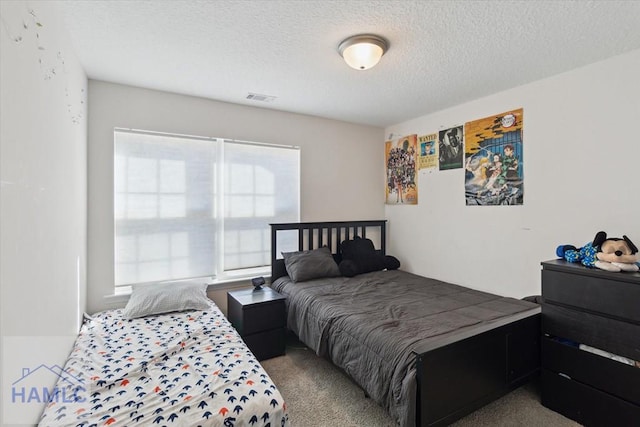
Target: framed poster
column 493, row 160
column 428, row 151
column 400, row 160
column 451, row 148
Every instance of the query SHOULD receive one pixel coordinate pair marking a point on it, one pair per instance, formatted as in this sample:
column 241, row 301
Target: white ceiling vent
column 261, row 98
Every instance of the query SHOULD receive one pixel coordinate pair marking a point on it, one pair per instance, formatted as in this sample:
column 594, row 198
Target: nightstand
column 259, row 317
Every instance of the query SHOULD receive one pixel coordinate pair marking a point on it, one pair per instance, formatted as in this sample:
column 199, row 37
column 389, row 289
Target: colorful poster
column 400, row 159
column 428, row 154
column 451, row 148
column 493, row 160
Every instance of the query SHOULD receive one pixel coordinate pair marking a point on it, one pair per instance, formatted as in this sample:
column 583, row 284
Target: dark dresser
column 599, row 309
column 259, row 317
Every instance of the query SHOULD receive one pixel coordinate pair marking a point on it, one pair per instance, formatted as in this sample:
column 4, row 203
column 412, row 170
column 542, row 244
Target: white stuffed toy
column 616, row 254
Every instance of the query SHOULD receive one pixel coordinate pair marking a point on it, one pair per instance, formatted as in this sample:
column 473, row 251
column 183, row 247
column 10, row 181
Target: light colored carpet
column 320, row 395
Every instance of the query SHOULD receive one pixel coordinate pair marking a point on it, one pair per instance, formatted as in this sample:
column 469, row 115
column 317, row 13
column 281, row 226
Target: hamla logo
column 34, row 386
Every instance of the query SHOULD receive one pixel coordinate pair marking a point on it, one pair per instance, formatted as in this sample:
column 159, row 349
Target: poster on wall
column 493, row 160
column 400, row 159
column 451, row 148
column 428, row 156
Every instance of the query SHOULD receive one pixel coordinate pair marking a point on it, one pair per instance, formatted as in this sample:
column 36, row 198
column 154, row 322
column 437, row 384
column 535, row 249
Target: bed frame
column 454, row 378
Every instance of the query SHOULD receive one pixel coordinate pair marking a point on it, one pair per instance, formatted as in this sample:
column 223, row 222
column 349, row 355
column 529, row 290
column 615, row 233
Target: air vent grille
column 260, row 97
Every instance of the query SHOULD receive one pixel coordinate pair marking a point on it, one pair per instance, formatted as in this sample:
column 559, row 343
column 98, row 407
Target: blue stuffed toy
column 585, row 255
column 605, row 253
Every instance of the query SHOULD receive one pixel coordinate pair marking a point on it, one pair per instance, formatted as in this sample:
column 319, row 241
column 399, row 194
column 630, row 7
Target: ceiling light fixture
column 363, row 51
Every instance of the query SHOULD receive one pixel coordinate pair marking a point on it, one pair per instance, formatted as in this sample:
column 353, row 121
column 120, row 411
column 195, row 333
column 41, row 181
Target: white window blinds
column 190, row 207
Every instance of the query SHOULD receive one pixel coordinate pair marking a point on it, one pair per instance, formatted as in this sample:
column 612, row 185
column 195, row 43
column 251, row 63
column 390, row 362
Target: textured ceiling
column 442, row 53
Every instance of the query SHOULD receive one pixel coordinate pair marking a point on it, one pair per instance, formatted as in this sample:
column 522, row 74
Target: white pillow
column 156, row 298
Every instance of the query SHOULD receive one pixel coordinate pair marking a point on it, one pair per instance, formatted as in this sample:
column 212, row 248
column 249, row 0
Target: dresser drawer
column 586, row 405
column 597, row 371
column 611, row 335
column 609, row 296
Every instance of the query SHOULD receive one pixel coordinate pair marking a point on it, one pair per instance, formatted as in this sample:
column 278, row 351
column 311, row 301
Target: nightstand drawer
column 612, row 335
column 263, row 317
column 266, row 345
column 616, row 297
column 605, row 374
column 251, row 311
column 584, row 404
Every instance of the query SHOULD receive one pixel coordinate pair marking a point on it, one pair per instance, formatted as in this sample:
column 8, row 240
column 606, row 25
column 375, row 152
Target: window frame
column 221, row 274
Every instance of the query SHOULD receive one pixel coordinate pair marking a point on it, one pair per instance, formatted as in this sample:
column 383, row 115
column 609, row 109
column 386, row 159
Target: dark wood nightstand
column 259, row 317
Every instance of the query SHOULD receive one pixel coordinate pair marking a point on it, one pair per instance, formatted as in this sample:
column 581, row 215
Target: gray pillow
column 157, row 298
column 308, row 265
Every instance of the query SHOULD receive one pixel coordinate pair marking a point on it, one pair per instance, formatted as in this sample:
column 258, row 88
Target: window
column 190, row 207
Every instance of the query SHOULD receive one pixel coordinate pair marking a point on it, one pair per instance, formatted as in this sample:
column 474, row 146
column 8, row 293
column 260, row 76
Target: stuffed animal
column 360, row 256
column 611, row 254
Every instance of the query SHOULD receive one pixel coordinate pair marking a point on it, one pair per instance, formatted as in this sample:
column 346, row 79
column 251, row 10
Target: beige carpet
column 319, row 395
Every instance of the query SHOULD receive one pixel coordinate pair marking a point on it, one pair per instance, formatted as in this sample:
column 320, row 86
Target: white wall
column 581, row 152
column 43, row 200
column 340, row 162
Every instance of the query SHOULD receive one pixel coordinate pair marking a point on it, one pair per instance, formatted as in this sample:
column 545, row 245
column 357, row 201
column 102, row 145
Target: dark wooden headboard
column 312, row 235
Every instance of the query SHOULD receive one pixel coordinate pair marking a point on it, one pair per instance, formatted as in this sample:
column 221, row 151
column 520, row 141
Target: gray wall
column 340, row 162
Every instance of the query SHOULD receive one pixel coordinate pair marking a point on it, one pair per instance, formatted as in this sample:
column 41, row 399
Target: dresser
column 599, row 309
column 259, row 317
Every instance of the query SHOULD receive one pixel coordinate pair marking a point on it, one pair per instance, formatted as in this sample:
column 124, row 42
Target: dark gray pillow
column 308, row 265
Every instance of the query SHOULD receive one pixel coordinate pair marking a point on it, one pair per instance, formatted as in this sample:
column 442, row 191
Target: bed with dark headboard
column 429, row 352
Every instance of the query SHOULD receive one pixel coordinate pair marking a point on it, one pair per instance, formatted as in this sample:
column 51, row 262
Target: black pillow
column 391, row 262
column 348, row 268
column 360, row 256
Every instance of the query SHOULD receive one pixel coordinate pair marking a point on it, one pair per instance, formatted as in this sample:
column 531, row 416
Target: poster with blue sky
column 493, row 160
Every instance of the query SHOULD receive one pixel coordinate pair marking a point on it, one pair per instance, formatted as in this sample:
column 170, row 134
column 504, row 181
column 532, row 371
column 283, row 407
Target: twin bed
column 188, row 368
column 429, row 352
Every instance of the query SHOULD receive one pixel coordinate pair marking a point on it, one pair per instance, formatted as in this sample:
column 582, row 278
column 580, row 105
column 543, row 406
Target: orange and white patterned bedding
column 184, row 369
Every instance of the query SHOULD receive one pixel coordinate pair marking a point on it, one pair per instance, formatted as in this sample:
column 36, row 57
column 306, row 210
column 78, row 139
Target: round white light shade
column 364, row 51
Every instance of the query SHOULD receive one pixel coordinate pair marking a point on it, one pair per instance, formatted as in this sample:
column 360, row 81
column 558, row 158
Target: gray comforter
column 370, row 325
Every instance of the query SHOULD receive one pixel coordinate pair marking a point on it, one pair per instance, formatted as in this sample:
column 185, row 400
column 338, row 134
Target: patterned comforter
column 184, row 369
